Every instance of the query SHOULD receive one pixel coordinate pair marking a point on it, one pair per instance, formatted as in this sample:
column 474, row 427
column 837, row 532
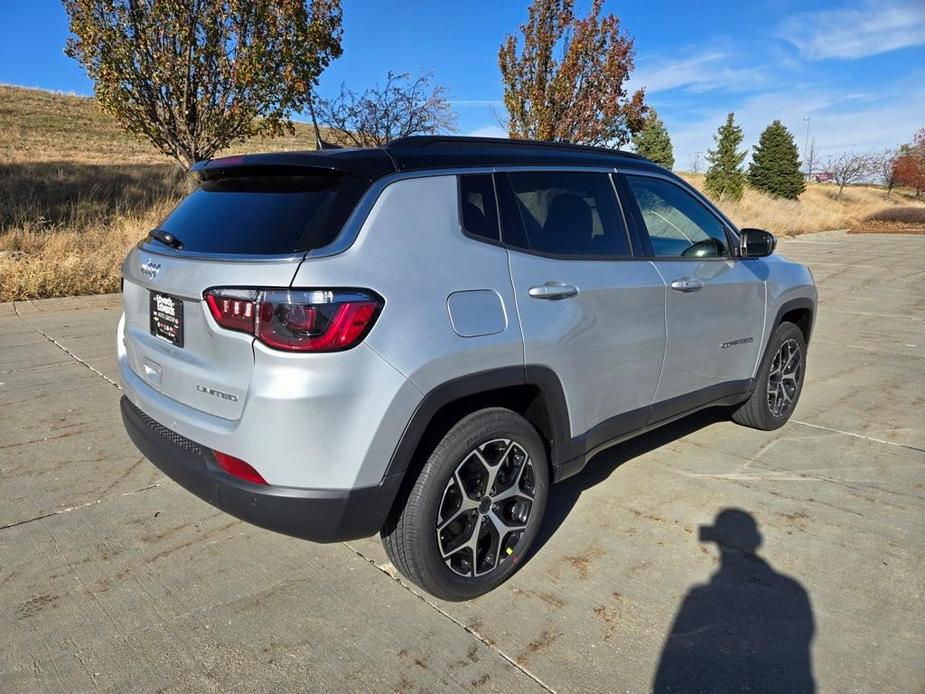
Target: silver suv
column 418, row 340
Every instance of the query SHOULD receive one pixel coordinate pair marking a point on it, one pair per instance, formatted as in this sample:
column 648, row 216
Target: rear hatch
column 244, row 227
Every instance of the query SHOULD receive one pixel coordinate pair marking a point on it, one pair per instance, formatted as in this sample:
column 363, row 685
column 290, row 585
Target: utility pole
column 809, row 164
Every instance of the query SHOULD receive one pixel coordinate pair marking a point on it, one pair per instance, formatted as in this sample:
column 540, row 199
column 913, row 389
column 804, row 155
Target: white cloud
column 488, row 131
column 839, row 122
column 872, row 28
column 701, row 71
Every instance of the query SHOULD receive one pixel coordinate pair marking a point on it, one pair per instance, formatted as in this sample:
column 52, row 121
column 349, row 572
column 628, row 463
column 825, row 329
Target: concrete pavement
column 112, row 577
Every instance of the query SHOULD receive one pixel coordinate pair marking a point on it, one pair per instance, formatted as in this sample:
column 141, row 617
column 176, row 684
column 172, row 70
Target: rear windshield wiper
column 165, row 238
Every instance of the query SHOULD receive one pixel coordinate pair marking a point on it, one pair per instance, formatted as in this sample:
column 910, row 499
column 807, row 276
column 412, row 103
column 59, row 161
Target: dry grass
column 76, row 191
column 818, row 208
column 70, row 261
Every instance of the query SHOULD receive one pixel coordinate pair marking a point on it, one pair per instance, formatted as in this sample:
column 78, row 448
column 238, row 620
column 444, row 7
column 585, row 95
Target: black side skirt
column 577, row 452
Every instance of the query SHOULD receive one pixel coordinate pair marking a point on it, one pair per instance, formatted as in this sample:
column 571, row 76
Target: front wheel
column 779, row 382
column 475, row 509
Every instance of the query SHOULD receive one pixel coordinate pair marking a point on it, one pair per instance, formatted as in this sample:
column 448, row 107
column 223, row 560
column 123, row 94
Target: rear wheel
column 475, row 509
column 779, row 383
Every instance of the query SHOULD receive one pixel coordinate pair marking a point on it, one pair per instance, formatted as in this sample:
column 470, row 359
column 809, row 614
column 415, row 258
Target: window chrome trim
column 357, row 218
column 351, row 229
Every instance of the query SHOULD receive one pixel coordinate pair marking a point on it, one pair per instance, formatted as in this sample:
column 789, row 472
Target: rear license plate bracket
column 167, row 318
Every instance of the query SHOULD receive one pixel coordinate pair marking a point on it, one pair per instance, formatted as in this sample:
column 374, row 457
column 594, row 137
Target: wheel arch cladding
column 800, row 313
column 534, row 392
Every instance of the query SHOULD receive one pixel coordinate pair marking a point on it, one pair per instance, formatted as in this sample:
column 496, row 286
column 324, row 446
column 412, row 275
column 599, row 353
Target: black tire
column 411, row 537
column 760, row 410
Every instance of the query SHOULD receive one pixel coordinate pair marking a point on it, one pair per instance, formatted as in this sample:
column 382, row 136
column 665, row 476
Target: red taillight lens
column 297, row 320
column 235, row 309
column 238, row 468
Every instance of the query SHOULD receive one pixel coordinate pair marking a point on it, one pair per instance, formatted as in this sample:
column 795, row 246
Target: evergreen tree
column 775, row 166
column 725, row 177
column 653, row 142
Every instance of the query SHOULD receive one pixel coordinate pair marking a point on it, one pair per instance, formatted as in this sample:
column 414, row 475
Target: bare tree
column 885, row 163
column 849, row 168
column 696, row 162
column 404, row 106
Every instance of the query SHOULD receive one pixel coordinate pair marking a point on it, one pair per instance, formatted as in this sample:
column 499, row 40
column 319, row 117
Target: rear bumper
column 319, row 515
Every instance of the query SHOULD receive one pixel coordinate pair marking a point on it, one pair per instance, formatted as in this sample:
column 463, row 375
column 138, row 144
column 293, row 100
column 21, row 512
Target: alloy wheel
column 784, row 377
column 485, row 507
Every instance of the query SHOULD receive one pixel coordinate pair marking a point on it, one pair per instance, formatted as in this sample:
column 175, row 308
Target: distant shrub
column 902, row 215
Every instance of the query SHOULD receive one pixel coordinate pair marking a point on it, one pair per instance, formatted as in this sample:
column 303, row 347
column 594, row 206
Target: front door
column 715, row 303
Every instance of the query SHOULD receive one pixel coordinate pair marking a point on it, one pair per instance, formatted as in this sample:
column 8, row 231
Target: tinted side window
column 477, row 208
column 679, row 225
column 568, row 213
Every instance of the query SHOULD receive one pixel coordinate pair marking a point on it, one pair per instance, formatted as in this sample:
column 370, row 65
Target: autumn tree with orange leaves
column 580, row 97
column 909, row 165
column 193, row 76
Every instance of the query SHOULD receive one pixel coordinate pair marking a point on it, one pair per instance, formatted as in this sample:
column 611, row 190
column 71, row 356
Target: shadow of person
column 748, row 630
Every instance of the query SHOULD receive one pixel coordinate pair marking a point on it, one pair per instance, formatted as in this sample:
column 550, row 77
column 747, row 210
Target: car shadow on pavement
column 750, row 629
column 564, row 495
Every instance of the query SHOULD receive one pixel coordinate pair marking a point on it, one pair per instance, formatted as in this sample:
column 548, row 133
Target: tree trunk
column 311, row 109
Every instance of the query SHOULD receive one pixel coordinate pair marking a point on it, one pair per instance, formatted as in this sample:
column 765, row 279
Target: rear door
column 588, row 310
column 242, row 230
column 715, row 303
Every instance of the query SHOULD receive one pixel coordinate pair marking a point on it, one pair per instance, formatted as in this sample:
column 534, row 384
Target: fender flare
column 543, row 378
column 800, row 302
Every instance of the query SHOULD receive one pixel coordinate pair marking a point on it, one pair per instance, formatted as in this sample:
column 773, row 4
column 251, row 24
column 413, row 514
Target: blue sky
column 856, row 69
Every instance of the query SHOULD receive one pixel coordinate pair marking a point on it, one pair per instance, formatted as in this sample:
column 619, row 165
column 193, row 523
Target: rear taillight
column 235, row 309
column 238, row 468
column 297, row 320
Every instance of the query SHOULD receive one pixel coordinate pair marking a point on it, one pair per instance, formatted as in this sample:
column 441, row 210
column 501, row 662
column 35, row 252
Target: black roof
column 429, row 152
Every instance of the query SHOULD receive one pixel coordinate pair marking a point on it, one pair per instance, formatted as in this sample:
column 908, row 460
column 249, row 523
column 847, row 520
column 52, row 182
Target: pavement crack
column 65, row 349
column 859, row 436
column 469, row 630
column 62, row 511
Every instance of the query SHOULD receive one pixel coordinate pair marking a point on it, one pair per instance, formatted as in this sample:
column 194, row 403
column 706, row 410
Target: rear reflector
column 238, row 468
column 296, row 320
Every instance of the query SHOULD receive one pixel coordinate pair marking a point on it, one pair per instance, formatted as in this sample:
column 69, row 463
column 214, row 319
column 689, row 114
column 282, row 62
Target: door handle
column 687, row 285
column 553, row 290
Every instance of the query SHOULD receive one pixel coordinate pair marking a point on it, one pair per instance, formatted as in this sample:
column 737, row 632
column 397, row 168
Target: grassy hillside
column 37, row 125
column 77, row 191
column 818, row 209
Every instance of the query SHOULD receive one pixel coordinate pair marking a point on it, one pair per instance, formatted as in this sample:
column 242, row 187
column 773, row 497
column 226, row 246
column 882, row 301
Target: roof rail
column 417, row 141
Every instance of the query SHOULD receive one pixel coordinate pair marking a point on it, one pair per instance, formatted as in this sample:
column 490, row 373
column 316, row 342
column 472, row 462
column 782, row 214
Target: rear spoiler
column 368, row 164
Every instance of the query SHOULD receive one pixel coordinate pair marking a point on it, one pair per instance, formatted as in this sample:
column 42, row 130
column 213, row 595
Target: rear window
column 264, row 215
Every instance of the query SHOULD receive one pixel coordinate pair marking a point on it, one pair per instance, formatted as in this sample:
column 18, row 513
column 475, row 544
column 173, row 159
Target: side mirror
column 756, row 243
